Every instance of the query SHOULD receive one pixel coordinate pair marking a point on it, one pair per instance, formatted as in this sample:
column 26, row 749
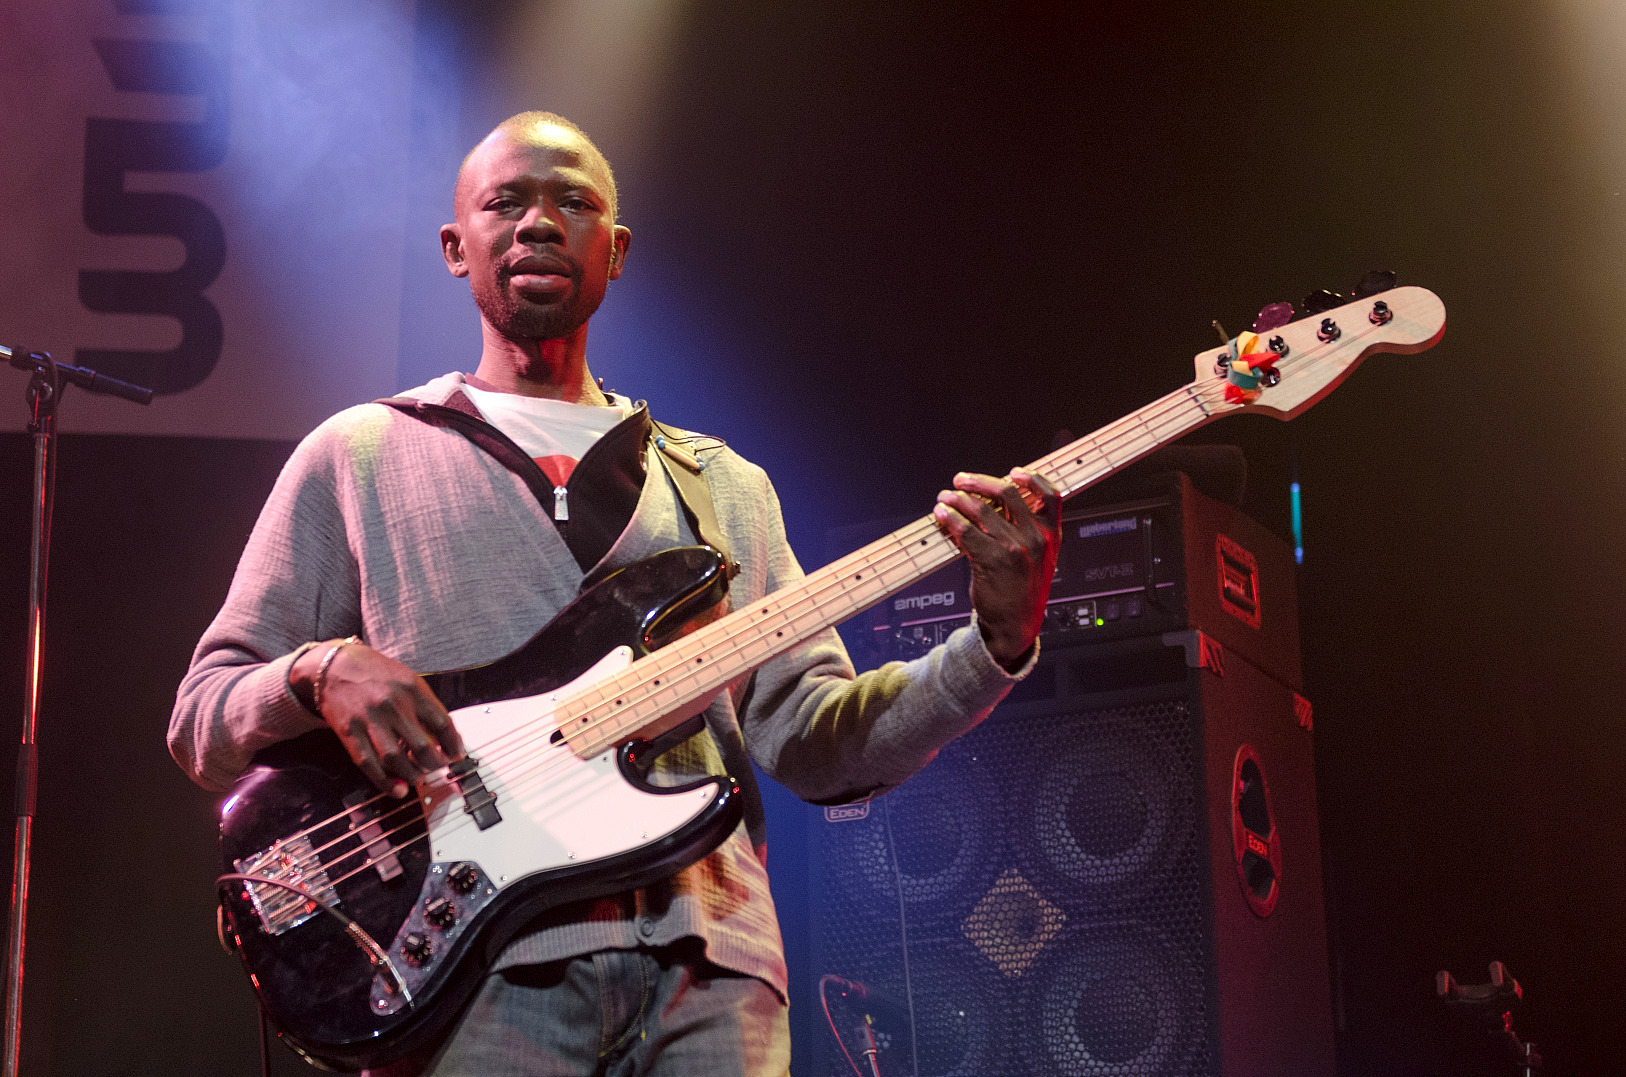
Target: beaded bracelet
column 321, row 670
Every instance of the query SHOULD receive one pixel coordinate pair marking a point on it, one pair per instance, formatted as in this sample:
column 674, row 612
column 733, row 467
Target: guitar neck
column 702, row 663
column 1308, row 357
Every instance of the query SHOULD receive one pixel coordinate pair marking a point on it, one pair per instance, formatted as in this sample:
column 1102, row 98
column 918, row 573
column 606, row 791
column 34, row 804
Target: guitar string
column 454, row 825
column 1160, row 408
column 1103, row 441
column 1181, row 398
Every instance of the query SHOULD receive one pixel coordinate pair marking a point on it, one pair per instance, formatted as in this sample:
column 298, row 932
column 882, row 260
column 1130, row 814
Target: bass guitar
column 365, row 922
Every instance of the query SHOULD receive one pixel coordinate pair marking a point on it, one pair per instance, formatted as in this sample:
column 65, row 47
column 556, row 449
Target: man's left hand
column 1010, row 530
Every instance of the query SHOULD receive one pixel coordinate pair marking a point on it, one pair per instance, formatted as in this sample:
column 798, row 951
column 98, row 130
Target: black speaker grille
column 1046, row 873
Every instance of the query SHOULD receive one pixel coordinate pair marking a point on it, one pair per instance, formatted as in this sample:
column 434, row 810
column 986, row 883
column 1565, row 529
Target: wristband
column 320, row 681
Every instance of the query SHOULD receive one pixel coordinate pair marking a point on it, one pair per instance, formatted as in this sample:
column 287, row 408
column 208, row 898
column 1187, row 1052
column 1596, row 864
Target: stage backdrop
column 207, row 197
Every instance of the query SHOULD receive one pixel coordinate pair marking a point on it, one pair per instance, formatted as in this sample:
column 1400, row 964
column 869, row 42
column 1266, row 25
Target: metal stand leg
column 43, row 392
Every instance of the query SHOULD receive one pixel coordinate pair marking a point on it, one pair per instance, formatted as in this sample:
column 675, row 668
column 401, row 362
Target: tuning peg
column 1379, row 280
column 1274, row 316
column 1316, row 302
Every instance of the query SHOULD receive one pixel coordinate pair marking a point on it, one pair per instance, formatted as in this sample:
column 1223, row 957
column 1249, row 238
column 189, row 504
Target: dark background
column 884, row 242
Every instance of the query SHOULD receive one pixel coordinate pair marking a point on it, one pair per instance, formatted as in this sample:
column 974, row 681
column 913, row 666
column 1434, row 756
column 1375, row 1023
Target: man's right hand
column 386, row 717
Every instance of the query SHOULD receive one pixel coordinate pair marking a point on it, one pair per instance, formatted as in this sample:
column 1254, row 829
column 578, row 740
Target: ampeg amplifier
column 1171, row 560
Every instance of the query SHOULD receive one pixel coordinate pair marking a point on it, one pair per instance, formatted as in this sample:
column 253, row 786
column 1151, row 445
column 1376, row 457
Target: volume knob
column 440, row 912
column 463, row 878
column 417, row 948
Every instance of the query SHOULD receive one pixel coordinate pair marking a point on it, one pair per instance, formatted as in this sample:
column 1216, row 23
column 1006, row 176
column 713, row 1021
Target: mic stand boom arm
column 87, row 379
column 44, row 392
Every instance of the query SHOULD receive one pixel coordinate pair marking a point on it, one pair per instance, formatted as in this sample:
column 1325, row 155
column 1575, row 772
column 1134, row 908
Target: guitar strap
column 687, row 472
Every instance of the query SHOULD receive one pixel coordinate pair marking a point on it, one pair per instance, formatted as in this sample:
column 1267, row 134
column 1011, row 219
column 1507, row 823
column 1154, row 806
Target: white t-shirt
column 553, row 433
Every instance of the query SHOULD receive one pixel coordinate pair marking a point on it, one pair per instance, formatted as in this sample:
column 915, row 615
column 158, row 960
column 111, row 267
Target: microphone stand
column 45, row 388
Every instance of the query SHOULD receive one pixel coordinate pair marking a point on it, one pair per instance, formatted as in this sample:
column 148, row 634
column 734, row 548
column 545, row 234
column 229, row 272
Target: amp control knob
column 463, row 878
column 417, row 948
column 440, row 912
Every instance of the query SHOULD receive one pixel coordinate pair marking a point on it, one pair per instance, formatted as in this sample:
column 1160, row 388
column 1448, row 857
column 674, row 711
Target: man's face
column 534, row 233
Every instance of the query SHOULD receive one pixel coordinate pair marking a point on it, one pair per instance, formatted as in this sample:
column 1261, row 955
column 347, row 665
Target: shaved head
column 531, row 128
column 535, row 230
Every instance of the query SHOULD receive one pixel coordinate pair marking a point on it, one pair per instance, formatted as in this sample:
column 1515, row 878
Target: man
column 440, row 549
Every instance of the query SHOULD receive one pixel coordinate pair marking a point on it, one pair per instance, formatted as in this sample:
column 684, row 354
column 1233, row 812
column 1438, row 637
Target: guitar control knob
column 1381, row 314
column 417, row 949
column 463, row 878
column 440, row 912
column 1279, row 346
column 1328, row 332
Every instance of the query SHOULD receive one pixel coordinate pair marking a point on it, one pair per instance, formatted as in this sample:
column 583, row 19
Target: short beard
column 518, row 320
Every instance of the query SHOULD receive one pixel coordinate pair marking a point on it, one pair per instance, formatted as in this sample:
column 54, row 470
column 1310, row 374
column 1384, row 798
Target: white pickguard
column 558, row 810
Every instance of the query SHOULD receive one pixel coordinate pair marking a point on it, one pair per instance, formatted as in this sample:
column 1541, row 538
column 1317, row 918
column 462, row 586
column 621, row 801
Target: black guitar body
column 315, row 980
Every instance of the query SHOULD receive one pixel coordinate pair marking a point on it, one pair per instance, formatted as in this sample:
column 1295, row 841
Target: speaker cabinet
column 1122, row 882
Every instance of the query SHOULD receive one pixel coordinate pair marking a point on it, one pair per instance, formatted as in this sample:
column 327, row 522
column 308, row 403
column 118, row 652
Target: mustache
column 532, row 264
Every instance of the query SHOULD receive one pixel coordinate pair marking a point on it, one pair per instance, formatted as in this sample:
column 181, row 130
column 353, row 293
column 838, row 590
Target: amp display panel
column 1118, row 573
column 1104, row 553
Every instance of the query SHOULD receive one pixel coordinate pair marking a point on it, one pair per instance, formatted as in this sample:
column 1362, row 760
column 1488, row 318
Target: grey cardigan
column 409, row 535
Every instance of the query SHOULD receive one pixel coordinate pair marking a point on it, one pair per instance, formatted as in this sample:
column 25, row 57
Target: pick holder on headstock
column 1248, row 364
column 45, row 387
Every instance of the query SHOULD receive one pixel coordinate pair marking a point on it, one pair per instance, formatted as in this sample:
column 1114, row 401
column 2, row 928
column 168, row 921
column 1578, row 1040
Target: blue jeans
column 665, row 1012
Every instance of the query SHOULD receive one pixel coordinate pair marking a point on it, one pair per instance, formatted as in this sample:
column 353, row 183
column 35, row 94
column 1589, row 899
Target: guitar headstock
column 1284, row 369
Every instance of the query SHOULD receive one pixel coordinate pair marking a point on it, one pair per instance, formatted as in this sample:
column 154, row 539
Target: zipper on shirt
column 561, row 504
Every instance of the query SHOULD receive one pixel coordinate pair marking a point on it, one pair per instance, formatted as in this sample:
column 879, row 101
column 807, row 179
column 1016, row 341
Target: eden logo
column 920, row 602
column 847, row 813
